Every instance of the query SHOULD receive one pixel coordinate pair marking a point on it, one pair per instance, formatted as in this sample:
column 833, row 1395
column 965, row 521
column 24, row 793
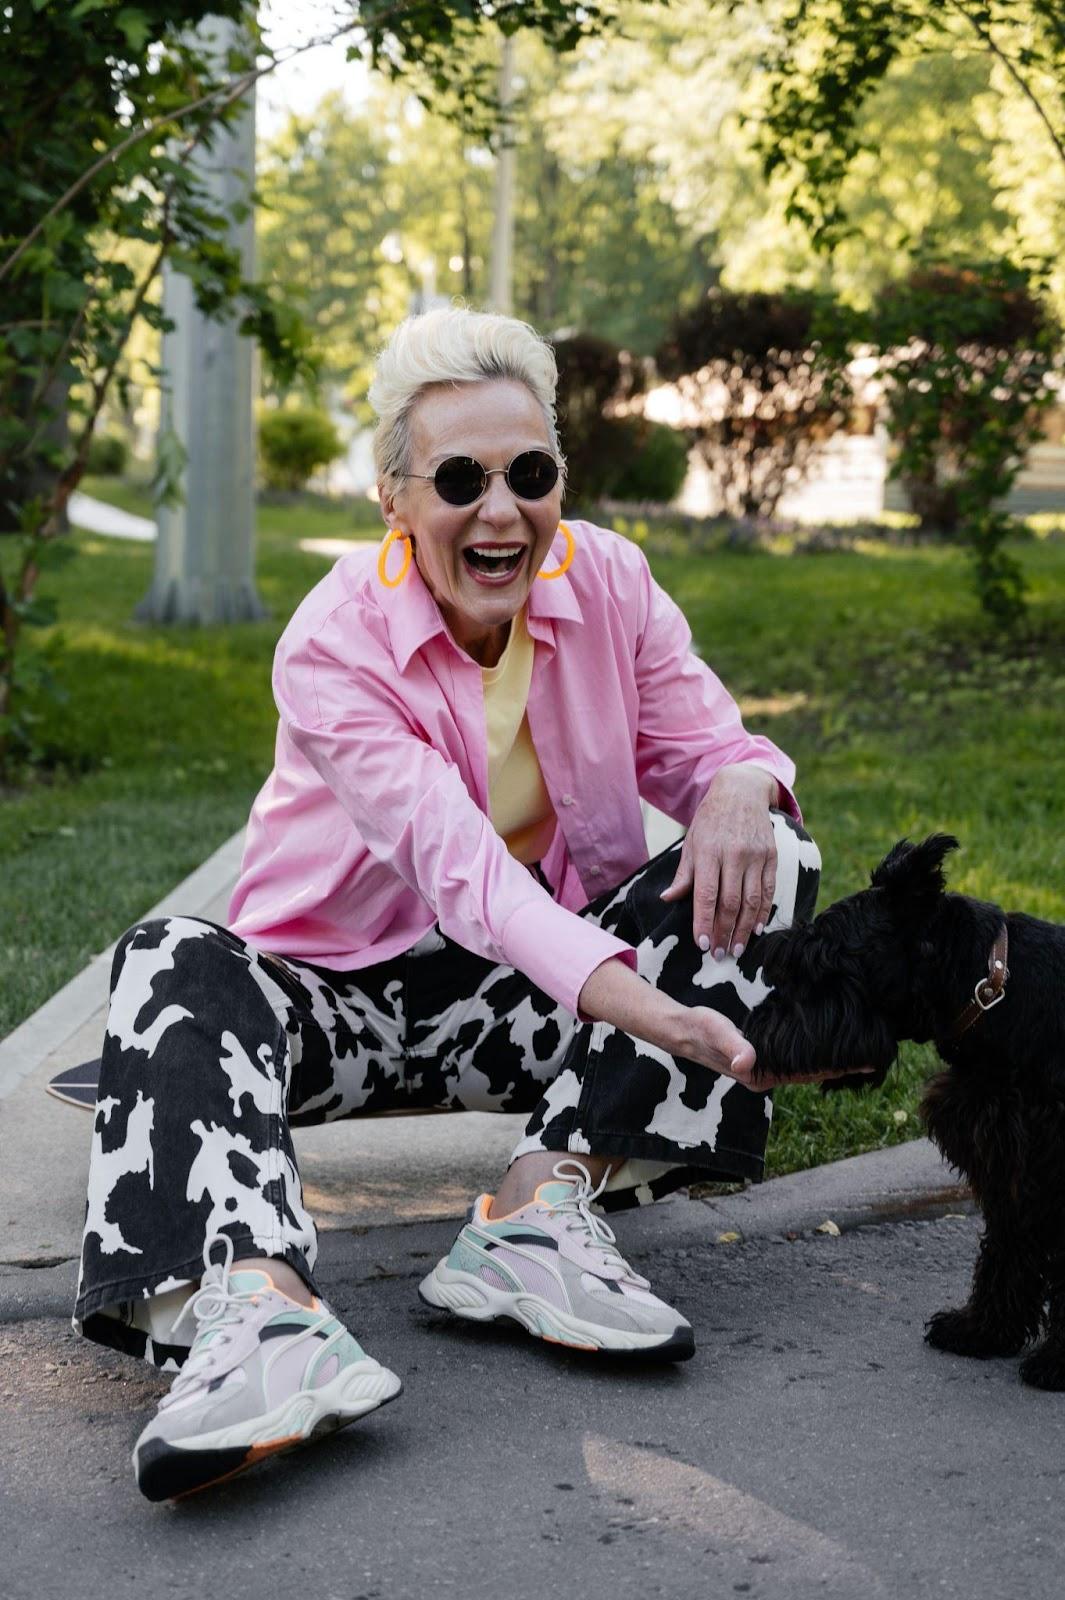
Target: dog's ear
column 914, row 872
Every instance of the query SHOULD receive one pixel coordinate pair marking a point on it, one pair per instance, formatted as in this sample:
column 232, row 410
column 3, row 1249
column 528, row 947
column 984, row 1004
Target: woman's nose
column 498, row 505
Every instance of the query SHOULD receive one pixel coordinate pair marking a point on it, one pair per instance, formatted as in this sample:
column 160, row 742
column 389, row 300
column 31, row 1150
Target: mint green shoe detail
column 554, row 1267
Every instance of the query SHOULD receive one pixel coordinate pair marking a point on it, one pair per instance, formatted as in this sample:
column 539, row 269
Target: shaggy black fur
column 900, row 961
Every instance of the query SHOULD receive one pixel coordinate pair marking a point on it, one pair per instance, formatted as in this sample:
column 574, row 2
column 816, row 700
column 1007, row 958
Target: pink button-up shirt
column 374, row 822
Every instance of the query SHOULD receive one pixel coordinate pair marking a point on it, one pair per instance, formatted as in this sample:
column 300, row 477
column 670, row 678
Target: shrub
column 594, row 377
column 108, row 455
column 763, row 389
column 294, row 441
column 654, row 464
column 966, row 357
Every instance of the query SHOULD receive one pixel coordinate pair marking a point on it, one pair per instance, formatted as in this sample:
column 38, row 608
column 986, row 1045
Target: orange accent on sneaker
column 257, row 1452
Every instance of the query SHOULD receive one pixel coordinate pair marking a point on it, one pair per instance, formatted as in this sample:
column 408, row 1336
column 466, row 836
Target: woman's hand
column 728, row 860
column 709, row 1035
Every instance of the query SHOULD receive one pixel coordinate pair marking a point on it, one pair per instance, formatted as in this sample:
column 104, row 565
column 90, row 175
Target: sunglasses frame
column 486, row 473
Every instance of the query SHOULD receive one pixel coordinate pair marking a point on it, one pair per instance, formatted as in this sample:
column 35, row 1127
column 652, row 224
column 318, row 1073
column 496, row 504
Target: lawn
column 869, row 667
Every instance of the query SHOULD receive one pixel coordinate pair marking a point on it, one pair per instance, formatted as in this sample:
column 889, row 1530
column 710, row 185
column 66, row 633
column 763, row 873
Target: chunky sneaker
column 553, row 1266
column 264, row 1374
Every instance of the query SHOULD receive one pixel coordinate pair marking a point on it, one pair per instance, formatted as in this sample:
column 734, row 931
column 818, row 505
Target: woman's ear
column 387, row 501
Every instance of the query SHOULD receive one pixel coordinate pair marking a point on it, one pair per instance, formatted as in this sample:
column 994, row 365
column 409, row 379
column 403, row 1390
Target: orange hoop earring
column 568, row 559
column 382, row 559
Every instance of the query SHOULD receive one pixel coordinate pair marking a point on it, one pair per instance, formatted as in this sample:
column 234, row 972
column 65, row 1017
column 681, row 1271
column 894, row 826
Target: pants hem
column 90, row 1304
column 723, row 1165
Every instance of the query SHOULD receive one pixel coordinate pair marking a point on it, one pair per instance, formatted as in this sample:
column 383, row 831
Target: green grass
column 870, row 668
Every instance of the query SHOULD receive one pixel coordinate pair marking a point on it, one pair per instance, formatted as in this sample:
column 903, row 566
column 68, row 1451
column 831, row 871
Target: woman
column 466, row 728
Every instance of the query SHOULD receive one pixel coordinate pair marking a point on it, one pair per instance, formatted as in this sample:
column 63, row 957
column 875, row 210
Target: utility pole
column 205, row 550
column 500, row 293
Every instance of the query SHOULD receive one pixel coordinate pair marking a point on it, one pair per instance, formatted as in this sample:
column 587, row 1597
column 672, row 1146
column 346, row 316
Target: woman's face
column 493, row 421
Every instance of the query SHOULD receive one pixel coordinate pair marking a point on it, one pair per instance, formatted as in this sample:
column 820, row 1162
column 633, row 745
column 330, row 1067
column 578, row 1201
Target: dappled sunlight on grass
column 155, row 645
column 772, row 705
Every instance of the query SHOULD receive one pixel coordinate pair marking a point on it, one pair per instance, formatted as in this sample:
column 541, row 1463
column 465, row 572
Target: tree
column 826, row 58
column 762, row 389
column 967, row 360
column 105, row 104
column 330, row 198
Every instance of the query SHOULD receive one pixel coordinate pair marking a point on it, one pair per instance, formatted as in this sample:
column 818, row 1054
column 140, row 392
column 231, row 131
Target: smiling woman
column 445, row 902
column 470, row 471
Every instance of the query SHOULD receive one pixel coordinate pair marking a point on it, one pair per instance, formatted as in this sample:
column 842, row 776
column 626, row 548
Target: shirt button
column 567, row 799
column 595, row 871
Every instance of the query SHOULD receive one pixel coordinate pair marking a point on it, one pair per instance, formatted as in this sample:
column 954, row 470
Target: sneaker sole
column 466, row 1296
column 171, row 1469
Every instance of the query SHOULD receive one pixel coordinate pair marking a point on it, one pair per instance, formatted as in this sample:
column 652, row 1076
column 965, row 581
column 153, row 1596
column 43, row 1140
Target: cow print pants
column 215, row 1050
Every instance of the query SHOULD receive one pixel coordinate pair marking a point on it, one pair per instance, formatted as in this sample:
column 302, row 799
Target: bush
column 763, row 389
column 654, row 464
column 108, row 455
column 966, row 358
column 594, row 376
column 294, row 441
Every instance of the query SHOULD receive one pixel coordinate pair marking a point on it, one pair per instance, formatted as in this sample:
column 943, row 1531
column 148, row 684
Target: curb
column 904, row 1182
column 72, row 1006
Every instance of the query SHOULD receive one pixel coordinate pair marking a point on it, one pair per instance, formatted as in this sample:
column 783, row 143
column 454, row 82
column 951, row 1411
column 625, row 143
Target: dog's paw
column 1044, row 1368
column 964, row 1334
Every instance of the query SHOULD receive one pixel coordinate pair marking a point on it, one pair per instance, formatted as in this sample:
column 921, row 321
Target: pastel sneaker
column 264, row 1375
column 553, row 1266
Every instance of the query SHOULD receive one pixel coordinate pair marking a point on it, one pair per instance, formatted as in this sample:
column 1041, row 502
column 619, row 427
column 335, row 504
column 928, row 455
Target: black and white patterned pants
column 215, row 1050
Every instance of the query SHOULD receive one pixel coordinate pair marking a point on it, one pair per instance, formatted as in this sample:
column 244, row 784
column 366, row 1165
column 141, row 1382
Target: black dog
column 905, row 960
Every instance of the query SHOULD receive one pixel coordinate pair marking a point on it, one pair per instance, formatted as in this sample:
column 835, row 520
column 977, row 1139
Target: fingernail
column 719, row 955
column 704, row 942
column 759, row 927
column 737, row 951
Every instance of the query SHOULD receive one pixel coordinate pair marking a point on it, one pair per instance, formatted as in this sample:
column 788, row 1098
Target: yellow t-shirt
column 518, row 802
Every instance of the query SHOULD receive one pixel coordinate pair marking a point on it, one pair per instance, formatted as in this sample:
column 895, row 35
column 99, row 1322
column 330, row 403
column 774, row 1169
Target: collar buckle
column 986, row 995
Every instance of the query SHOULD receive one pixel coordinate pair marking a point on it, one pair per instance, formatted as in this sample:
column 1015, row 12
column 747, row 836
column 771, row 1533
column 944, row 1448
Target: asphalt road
column 813, row 1447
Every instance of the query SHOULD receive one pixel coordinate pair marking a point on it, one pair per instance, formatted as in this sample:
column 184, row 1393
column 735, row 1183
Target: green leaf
column 136, row 27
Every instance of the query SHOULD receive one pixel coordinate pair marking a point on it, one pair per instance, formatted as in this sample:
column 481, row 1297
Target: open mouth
column 494, row 566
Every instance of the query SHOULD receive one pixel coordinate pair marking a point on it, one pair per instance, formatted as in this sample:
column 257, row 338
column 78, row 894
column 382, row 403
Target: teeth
column 496, row 549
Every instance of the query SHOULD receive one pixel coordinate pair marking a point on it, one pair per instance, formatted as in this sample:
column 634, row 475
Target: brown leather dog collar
column 990, row 990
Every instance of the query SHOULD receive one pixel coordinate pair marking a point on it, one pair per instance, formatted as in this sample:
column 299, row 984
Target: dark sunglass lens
column 459, row 480
column 533, row 474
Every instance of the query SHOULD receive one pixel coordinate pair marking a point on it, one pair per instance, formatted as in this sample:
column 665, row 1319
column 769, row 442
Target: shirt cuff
column 559, row 951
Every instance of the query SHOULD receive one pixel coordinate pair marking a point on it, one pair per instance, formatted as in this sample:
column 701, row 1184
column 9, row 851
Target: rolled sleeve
column 559, row 950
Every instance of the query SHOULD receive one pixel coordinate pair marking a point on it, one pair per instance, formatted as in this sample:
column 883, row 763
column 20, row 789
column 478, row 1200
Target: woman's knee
column 798, row 872
column 168, row 960
column 172, row 937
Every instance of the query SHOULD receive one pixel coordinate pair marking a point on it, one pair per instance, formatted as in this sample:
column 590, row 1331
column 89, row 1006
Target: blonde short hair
column 453, row 345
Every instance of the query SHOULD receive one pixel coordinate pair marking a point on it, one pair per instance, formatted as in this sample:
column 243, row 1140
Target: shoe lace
column 217, row 1309
column 576, row 1207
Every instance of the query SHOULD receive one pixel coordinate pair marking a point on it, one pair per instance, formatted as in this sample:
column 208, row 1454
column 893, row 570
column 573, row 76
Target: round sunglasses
column 460, row 480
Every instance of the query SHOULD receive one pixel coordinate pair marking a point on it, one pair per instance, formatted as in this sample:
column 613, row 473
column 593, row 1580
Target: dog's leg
column 1005, row 1304
column 1045, row 1367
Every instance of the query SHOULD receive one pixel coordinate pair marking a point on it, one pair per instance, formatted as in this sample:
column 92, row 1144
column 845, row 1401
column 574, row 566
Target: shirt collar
column 413, row 616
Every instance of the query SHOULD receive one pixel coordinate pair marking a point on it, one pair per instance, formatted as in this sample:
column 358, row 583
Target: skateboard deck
column 77, row 1086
